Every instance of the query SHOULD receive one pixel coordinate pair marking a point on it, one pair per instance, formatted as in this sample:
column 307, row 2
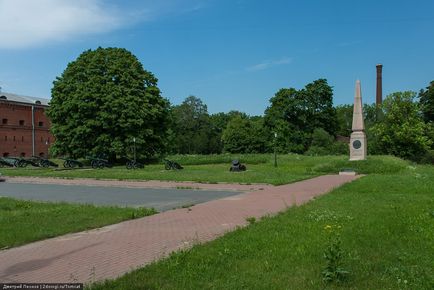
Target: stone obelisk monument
column 358, row 137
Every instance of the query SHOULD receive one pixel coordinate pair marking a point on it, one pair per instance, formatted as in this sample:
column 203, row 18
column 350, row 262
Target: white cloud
column 269, row 64
column 26, row 23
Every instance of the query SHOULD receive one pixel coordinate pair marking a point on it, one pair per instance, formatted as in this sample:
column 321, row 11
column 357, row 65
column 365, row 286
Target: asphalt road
column 160, row 199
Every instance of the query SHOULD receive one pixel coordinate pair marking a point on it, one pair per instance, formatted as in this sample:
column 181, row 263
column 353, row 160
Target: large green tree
column 295, row 114
column 427, row 102
column 192, row 127
column 402, row 131
column 102, row 102
column 244, row 134
column 219, row 122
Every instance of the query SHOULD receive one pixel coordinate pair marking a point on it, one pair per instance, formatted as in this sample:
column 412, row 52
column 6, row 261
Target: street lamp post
column 275, row 149
column 46, row 144
column 134, row 148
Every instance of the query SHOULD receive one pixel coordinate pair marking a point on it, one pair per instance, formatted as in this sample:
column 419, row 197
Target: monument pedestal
column 358, row 146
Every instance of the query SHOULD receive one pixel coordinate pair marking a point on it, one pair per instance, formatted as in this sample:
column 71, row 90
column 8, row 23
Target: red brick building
column 24, row 128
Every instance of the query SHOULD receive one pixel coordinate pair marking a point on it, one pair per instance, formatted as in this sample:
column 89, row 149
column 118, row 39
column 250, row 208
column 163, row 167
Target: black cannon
column 9, row 162
column 31, row 161
column 172, row 165
column 237, row 166
column 71, row 163
column 44, row 162
column 133, row 164
column 16, row 161
column 99, row 163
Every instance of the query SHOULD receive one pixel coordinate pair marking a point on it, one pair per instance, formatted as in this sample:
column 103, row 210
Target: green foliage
column 193, row 130
column 372, row 114
column 321, row 138
column 219, row 123
column 102, row 101
column 245, row 134
column 295, row 114
column 344, row 116
column 339, row 148
column 324, row 144
column 427, row 158
column 427, row 102
column 402, row 131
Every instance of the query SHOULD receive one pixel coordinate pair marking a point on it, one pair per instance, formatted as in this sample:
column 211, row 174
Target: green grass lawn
column 260, row 169
column 386, row 225
column 27, row 221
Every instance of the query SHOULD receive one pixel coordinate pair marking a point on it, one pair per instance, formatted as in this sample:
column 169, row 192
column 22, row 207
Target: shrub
column 323, row 144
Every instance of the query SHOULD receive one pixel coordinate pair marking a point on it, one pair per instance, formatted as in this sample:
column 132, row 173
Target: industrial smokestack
column 379, row 98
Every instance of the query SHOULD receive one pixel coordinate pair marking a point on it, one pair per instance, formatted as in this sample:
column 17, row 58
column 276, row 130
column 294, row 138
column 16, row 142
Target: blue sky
column 234, row 55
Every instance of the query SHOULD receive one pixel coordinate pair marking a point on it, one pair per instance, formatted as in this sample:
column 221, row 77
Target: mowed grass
column 260, row 169
column 387, row 233
column 27, row 221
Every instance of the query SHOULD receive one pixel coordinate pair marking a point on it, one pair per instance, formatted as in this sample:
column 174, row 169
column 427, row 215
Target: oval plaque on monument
column 357, row 144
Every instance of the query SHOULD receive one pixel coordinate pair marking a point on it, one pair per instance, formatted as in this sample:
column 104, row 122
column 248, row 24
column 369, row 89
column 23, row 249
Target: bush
column 427, row 158
column 317, row 151
column 321, row 138
column 323, row 144
column 402, row 132
column 340, row 148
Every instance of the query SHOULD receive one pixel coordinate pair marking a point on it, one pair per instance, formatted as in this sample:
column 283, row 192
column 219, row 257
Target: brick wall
column 16, row 129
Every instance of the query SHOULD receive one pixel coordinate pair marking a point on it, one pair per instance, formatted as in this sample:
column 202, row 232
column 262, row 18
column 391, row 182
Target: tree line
column 106, row 102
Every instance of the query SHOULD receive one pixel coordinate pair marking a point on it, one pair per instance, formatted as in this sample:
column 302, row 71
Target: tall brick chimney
column 379, row 98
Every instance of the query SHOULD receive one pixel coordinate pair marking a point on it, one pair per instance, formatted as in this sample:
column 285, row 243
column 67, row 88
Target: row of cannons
column 35, row 161
column 95, row 162
column 99, row 163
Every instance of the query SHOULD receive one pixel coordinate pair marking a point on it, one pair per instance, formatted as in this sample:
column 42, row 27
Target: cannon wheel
column 22, row 163
column 129, row 165
column 94, row 164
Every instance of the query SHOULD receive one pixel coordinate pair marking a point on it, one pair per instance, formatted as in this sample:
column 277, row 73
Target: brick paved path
column 114, row 250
